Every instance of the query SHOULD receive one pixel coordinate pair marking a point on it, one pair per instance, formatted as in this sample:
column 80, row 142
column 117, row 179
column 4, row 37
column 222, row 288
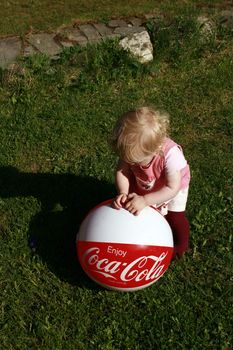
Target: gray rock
column 66, row 44
column 139, row 45
column 73, row 35
column 114, row 23
column 103, row 30
column 45, row 44
column 90, row 32
column 206, row 27
column 10, row 49
column 136, row 21
column 29, row 51
column 126, row 31
column 226, row 19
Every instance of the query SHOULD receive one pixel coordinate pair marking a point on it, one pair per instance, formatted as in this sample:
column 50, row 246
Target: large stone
column 29, row 51
column 207, row 27
column 10, row 49
column 114, row 23
column 226, row 19
column 127, row 31
column 136, row 21
column 66, row 44
column 90, row 32
column 73, row 35
column 45, row 43
column 102, row 29
column 139, row 45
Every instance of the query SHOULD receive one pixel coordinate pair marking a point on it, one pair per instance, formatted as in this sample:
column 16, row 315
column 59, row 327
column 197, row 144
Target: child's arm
column 122, row 184
column 136, row 203
column 167, row 192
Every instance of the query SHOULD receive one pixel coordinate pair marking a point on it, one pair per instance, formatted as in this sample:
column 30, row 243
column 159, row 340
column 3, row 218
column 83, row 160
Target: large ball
column 124, row 252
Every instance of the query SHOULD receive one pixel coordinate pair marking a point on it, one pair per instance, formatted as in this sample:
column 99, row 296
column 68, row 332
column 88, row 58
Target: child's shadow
column 65, row 199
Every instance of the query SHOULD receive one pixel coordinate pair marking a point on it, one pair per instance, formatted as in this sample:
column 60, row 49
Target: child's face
column 145, row 161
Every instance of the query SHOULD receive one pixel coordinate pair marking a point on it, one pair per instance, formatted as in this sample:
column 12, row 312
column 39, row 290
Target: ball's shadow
column 65, row 200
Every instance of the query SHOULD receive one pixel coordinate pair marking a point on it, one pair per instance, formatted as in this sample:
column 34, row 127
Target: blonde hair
column 140, row 133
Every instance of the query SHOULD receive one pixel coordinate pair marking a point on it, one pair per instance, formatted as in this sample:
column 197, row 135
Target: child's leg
column 180, row 229
column 176, row 217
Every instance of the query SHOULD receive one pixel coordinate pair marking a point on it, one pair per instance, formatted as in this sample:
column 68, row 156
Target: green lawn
column 55, row 164
column 22, row 16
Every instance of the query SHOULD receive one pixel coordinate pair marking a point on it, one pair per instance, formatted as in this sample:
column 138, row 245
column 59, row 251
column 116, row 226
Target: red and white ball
column 124, row 252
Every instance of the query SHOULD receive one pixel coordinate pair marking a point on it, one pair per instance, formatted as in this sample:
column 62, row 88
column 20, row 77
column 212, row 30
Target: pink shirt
column 152, row 177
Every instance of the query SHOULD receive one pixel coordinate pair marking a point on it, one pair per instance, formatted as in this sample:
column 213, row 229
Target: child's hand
column 119, row 201
column 135, row 203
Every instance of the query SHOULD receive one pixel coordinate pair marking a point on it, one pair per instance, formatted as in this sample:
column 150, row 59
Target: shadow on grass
column 65, row 199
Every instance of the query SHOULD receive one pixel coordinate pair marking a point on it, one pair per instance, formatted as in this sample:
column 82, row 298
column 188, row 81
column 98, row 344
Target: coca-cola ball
column 124, row 252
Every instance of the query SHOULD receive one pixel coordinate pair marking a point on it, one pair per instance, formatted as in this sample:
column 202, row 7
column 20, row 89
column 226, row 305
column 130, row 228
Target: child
column 152, row 170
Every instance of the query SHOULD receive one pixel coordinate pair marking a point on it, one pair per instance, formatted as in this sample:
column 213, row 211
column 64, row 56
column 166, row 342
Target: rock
column 90, row 32
column 66, row 44
column 206, row 27
column 73, row 35
column 10, row 49
column 126, row 31
column 45, row 44
column 136, row 21
column 29, row 51
column 103, row 30
column 114, row 23
column 226, row 19
column 139, row 45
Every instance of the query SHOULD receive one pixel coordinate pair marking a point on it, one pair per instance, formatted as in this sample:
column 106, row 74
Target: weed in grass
column 99, row 64
column 181, row 39
column 38, row 63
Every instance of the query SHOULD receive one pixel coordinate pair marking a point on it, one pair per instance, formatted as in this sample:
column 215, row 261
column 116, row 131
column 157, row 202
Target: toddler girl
column 152, row 170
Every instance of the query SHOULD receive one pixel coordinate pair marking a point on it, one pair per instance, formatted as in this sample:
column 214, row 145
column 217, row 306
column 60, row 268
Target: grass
column 21, row 16
column 55, row 164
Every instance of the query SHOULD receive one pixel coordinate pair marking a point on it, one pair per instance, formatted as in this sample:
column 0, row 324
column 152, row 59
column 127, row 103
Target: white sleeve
column 174, row 160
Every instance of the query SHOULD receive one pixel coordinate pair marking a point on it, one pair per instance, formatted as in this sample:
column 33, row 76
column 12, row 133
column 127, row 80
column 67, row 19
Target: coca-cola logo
column 123, row 266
